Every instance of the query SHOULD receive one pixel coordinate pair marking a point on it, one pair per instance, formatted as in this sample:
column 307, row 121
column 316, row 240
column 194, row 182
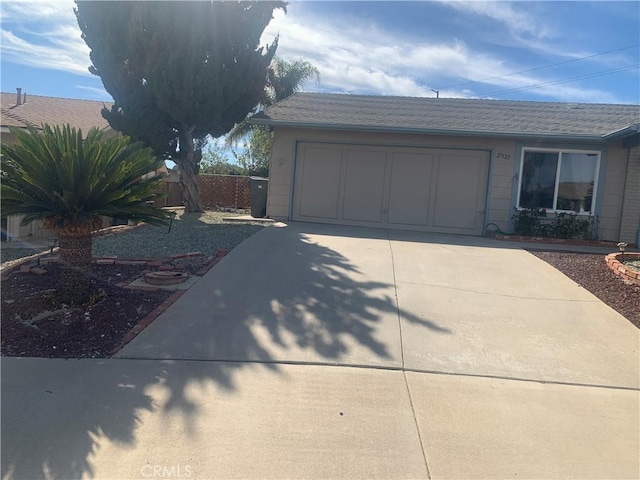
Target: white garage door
column 439, row 190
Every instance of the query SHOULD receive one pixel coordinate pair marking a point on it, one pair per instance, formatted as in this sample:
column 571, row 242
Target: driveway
column 309, row 293
column 318, row 351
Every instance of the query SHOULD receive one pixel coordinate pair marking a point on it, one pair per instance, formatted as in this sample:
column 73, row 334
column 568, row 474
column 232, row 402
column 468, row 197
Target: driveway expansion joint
column 395, row 292
column 389, row 368
column 415, row 421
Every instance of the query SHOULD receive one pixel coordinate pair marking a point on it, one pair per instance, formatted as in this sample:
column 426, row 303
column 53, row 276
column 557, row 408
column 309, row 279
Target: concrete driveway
column 435, row 303
column 318, row 351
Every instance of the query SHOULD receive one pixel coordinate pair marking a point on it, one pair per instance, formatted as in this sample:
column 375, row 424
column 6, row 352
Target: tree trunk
column 188, row 173
column 189, row 184
column 75, row 257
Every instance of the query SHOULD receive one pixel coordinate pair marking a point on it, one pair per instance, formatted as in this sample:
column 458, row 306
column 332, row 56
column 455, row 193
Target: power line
column 565, row 80
column 543, row 67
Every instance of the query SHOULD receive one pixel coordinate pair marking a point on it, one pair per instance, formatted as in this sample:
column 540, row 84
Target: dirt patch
column 33, row 324
column 591, row 272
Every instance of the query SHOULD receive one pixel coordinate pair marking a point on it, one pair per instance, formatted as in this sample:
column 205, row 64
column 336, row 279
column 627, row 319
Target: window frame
column 561, row 152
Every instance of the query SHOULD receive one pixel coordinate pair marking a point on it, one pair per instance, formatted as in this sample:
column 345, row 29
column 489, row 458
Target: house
column 21, row 111
column 452, row 165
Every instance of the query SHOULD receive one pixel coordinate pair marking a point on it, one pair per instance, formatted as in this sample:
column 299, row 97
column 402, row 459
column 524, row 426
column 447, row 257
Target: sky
column 541, row 51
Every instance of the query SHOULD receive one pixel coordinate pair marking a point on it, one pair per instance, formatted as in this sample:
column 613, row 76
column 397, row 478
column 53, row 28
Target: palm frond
column 57, row 173
column 284, row 78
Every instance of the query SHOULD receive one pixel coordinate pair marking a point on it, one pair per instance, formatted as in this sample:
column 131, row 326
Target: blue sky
column 544, row 51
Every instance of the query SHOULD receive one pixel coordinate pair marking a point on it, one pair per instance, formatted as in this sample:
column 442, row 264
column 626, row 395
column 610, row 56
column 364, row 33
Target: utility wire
column 565, row 80
column 541, row 68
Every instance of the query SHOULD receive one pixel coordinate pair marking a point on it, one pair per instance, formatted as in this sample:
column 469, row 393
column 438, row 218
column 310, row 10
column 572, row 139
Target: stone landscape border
column 615, row 261
column 212, row 261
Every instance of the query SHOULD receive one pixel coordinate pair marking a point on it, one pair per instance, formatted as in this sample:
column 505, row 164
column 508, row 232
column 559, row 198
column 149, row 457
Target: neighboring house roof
column 83, row 114
column 452, row 116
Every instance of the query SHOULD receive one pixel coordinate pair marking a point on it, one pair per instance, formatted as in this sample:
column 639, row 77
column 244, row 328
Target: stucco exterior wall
column 611, row 199
column 502, row 185
column 630, row 219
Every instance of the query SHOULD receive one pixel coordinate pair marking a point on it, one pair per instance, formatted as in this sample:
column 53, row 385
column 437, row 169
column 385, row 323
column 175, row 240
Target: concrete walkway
column 317, row 351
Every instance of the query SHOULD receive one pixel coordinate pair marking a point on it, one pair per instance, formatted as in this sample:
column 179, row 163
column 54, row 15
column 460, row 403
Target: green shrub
column 532, row 222
column 570, row 225
column 527, row 221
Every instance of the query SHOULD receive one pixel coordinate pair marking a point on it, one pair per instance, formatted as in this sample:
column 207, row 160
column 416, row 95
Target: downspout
column 624, row 193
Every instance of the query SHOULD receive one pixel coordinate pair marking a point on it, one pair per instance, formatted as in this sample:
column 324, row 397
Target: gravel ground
column 591, row 272
column 204, row 233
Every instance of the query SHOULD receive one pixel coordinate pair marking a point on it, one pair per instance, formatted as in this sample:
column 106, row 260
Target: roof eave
column 427, row 131
column 627, row 131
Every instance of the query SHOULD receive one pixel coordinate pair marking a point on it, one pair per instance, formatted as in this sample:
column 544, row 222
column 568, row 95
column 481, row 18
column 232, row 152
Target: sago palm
column 69, row 182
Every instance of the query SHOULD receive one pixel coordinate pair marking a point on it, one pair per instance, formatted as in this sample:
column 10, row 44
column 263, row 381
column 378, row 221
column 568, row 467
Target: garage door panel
column 456, row 202
column 364, row 186
column 427, row 189
column 410, row 188
column 318, row 183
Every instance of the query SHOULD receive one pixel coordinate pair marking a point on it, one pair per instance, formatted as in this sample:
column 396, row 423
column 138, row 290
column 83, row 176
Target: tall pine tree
column 178, row 71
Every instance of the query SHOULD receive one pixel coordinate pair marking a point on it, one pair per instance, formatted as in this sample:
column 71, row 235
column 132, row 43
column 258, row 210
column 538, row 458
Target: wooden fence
column 227, row 191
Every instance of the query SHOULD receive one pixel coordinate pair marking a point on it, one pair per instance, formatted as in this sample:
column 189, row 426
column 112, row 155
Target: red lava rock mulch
column 591, row 272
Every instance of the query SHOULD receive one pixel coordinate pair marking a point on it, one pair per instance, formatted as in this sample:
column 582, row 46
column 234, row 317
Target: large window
column 562, row 180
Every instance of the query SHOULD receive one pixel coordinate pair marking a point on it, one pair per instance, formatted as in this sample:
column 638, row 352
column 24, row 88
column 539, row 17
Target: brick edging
column 150, row 317
column 615, row 264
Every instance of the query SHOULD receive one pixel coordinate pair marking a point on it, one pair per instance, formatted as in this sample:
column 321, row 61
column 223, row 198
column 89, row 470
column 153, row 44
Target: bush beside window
column 533, row 222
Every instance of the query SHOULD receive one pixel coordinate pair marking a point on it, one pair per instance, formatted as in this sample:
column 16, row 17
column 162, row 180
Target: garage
column 430, row 189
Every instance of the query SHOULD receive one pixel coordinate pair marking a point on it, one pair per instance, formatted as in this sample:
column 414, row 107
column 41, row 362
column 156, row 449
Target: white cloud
column 58, row 56
column 43, row 35
column 530, row 25
column 365, row 59
column 518, row 21
column 353, row 55
column 35, row 10
column 357, row 60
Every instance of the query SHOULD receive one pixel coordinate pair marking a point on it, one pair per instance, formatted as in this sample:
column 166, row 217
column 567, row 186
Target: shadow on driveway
column 282, row 296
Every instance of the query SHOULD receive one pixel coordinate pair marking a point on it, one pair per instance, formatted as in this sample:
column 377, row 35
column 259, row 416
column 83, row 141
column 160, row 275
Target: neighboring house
column 20, row 110
column 452, row 165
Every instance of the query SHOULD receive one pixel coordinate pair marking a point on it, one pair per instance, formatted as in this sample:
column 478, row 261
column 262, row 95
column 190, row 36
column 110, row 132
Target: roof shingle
column 450, row 115
column 83, row 114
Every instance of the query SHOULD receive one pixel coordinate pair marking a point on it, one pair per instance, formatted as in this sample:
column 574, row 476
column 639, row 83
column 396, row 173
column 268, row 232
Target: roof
column 83, row 114
column 452, row 116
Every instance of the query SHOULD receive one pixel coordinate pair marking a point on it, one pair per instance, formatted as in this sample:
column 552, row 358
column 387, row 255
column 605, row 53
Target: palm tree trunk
column 75, row 257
